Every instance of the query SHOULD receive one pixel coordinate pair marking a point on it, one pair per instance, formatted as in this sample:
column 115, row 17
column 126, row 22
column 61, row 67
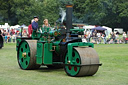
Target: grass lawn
column 114, row 70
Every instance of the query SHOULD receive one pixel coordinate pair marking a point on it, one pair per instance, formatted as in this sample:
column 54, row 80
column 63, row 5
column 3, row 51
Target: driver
column 34, row 23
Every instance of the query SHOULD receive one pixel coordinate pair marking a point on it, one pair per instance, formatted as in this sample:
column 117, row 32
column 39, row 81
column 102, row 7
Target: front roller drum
column 27, row 55
column 85, row 62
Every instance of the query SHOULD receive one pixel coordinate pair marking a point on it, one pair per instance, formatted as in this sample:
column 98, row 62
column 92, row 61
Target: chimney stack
column 69, row 10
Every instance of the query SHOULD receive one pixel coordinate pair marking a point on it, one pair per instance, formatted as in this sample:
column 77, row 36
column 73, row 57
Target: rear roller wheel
column 1, row 41
column 84, row 57
column 26, row 55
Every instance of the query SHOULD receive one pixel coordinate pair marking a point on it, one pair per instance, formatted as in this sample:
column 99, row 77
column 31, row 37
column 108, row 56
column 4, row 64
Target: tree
column 116, row 13
column 112, row 13
column 5, row 11
column 50, row 10
column 25, row 10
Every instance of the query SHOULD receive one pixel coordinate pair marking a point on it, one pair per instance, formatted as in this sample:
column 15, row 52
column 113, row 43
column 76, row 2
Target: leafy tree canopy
column 112, row 13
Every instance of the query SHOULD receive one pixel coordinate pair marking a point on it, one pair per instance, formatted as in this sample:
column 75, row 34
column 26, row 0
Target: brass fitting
column 24, row 54
column 69, row 62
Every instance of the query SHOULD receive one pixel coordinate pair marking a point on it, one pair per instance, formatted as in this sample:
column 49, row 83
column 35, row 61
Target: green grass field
column 114, row 70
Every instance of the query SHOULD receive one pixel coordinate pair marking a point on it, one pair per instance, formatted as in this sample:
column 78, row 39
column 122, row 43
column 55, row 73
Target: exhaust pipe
column 69, row 9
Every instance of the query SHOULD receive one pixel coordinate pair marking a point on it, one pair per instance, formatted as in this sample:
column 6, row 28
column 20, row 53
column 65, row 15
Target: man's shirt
column 34, row 25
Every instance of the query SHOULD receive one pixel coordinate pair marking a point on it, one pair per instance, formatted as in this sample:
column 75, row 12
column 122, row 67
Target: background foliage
column 112, row 13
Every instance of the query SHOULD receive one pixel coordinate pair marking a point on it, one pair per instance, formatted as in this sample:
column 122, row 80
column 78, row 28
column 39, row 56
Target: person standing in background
column 88, row 36
column 14, row 37
column 9, row 37
column 24, row 33
column 104, row 37
column 30, row 29
column 21, row 31
column 124, row 36
column 94, row 36
column 5, row 37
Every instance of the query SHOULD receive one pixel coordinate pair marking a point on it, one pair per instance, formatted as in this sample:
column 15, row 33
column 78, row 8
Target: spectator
column 9, row 38
column 88, row 36
column 6, row 37
column 94, row 36
column 24, row 33
column 104, row 37
column 98, row 38
column 21, row 31
column 112, row 39
column 116, row 38
column 12, row 32
column 18, row 34
column 124, row 36
column 14, row 37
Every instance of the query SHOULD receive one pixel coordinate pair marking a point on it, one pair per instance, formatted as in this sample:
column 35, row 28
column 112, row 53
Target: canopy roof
column 99, row 28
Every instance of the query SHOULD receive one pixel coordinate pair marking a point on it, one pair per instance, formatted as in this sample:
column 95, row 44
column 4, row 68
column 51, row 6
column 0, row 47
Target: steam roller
column 58, row 48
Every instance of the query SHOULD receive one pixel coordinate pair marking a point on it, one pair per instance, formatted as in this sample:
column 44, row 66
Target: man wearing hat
column 35, row 26
column 34, row 23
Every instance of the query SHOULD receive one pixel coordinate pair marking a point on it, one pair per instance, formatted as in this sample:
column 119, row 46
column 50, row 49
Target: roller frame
column 84, row 65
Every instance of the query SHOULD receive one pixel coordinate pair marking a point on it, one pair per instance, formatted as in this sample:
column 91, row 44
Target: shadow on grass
column 46, row 69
